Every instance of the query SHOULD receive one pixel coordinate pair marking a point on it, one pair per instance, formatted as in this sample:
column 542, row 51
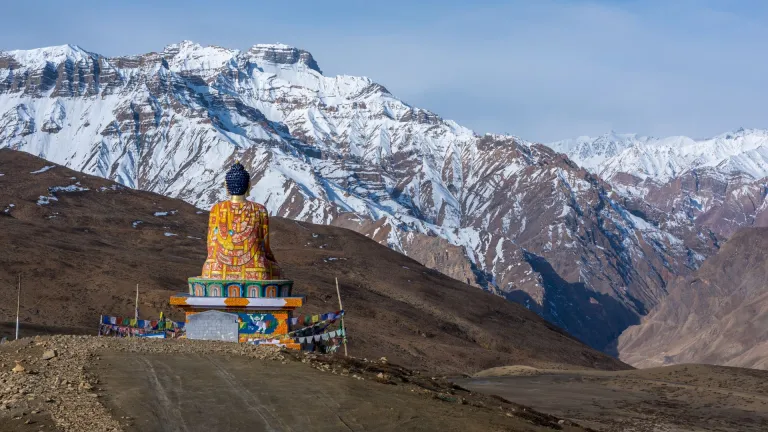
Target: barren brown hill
column 718, row 315
column 680, row 398
column 82, row 252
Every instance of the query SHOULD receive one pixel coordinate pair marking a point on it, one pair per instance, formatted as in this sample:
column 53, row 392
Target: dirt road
column 185, row 393
column 86, row 383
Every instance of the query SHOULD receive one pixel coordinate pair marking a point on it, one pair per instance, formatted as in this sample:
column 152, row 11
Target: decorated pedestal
column 202, row 287
column 261, row 309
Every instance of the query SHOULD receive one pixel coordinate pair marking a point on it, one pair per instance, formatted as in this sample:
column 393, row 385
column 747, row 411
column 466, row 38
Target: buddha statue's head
column 238, row 181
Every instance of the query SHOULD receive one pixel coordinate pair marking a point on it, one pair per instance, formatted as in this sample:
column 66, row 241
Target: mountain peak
column 281, row 54
column 38, row 57
column 185, row 44
column 189, row 55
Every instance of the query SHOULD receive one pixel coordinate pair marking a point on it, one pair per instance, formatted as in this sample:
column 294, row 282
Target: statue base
column 223, row 310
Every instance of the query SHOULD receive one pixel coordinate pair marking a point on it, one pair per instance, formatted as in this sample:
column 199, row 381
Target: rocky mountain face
column 718, row 183
column 510, row 216
column 717, row 315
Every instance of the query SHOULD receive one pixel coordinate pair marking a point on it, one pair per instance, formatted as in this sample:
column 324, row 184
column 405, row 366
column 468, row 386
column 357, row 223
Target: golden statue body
column 238, row 242
column 238, row 235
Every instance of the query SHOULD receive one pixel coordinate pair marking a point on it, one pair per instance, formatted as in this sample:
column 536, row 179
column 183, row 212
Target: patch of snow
column 136, row 223
column 43, row 169
column 45, row 200
column 114, row 187
column 168, row 234
column 334, row 259
column 166, row 213
column 71, row 188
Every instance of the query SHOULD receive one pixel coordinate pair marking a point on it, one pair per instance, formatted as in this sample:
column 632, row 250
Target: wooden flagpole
column 343, row 330
column 137, row 302
column 18, row 304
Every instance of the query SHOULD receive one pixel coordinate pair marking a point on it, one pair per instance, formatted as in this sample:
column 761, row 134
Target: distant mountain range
column 591, row 250
column 718, row 182
column 743, row 152
column 717, row 314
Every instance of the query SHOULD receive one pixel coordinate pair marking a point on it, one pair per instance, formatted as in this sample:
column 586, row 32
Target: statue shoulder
column 259, row 207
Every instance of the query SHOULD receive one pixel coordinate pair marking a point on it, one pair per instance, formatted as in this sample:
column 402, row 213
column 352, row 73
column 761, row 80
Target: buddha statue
column 242, row 294
column 238, row 235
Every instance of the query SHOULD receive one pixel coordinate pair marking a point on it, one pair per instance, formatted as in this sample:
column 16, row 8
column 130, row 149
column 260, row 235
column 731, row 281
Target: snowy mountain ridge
column 496, row 211
column 744, row 151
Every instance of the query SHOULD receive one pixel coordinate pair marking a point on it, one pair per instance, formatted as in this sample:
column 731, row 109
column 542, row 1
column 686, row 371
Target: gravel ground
column 56, row 384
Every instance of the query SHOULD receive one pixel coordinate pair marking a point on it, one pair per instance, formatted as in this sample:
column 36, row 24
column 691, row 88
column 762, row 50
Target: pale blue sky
column 540, row 69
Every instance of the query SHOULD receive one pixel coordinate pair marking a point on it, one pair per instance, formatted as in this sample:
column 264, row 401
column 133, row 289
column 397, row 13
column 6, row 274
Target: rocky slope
column 717, row 315
column 717, row 185
column 495, row 211
column 82, row 244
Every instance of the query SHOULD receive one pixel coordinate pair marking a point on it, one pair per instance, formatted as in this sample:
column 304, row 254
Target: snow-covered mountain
column 508, row 215
column 719, row 182
column 662, row 159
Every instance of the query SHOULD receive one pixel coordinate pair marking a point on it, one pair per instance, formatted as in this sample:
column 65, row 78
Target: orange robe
column 238, row 243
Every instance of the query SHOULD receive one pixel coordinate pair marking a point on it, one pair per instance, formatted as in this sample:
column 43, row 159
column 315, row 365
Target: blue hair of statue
column 238, row 180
